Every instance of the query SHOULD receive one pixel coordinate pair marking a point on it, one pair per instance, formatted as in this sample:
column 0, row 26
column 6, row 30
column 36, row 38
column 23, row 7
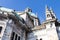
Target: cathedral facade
column 25, row 25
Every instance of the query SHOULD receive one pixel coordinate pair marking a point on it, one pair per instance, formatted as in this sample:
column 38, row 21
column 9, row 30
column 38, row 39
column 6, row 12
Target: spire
column 52, row 12
column 48, row 14
column 46, row 8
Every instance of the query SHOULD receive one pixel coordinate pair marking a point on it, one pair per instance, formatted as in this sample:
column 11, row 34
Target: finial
column 46, row 7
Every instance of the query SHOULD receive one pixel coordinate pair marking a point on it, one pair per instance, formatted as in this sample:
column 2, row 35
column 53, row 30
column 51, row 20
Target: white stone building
column 25, row 25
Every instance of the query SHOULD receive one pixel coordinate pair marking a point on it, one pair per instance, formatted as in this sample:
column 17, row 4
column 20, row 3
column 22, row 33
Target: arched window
column 16, row 37
column 48, row 15
column 0, row 29
column 12, row 36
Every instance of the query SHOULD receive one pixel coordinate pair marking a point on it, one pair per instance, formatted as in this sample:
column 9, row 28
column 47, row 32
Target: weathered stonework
column 25, row 25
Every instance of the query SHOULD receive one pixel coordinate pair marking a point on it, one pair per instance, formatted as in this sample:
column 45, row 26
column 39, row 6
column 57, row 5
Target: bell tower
column 50, row 18
column 49, row 14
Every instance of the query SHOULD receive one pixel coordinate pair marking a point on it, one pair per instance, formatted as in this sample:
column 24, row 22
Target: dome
column 32, row 14
column 6, row 9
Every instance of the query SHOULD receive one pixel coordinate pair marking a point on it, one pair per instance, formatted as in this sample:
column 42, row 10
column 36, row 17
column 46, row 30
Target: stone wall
column 3, row 25
column 10, row 28
column 44, row 34
column 27, row 19
column 7, row 33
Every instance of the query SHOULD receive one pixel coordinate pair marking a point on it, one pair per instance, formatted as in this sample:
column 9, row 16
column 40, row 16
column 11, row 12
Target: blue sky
column 37, row 6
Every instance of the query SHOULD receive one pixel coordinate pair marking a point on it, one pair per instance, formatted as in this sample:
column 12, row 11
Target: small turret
column 28, row 10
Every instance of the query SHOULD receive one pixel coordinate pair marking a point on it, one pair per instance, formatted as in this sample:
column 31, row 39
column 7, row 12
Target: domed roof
column 32, row 14
column 6, row 9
